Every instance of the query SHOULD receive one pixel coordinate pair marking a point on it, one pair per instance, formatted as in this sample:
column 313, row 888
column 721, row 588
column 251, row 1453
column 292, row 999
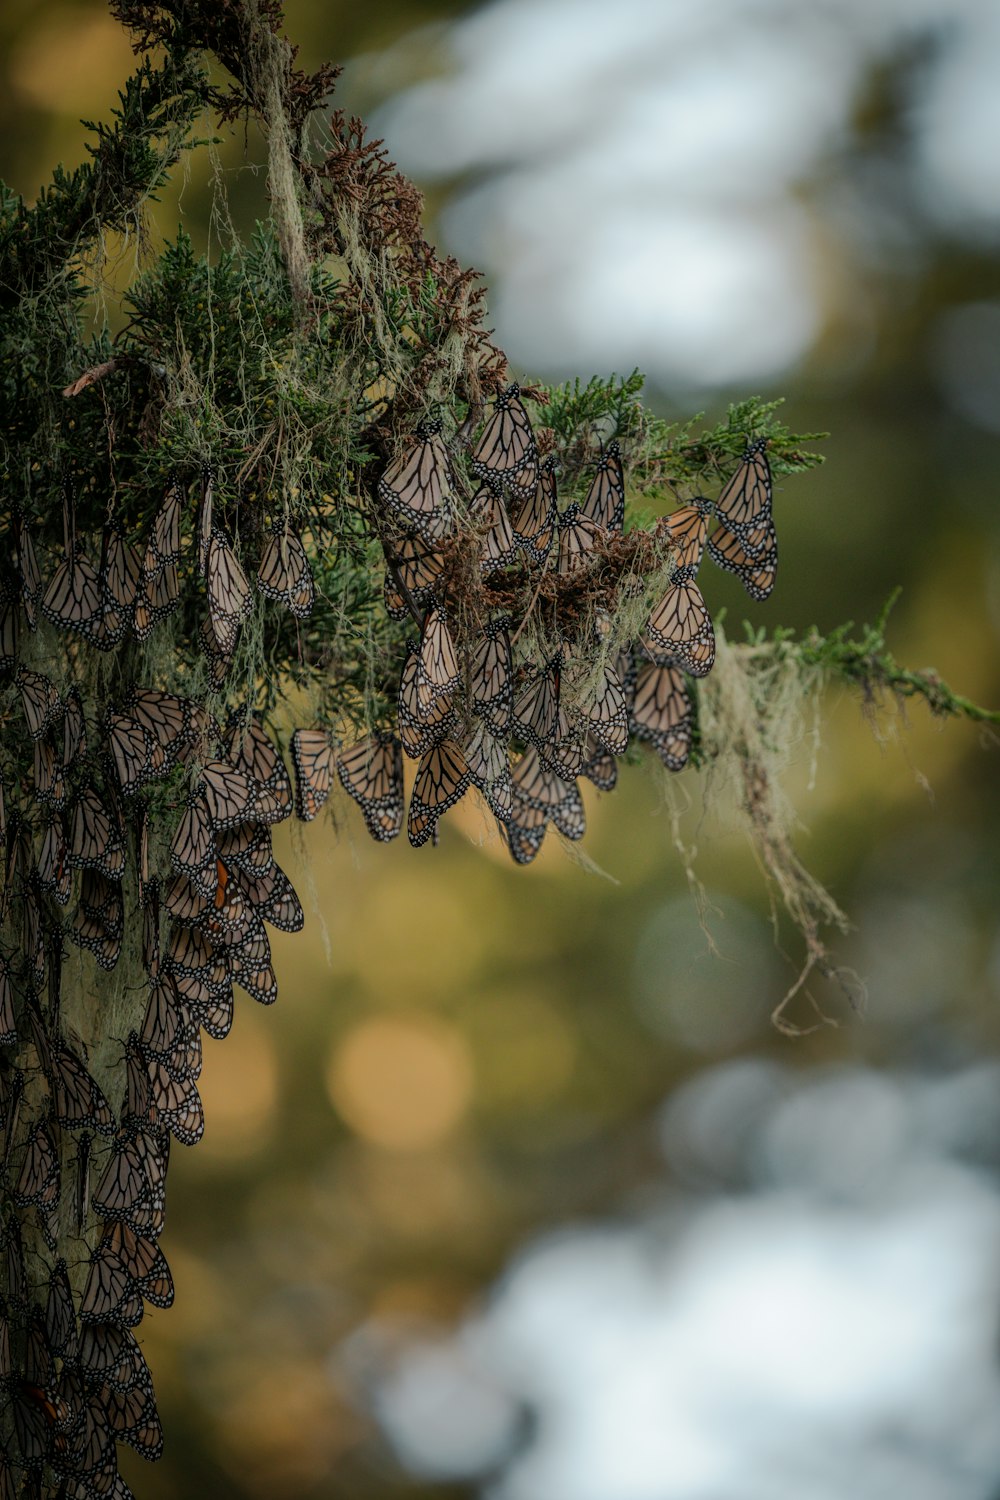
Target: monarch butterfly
column 312, row 758
column 123, row 1190
column 229, row 599
column 605, row 502
column 232, row 796
column 54, row 874
column 14, row 1249
column 138, row 1111
column 72, row 600
column 82, row 1182
column 606, row 710
column 419, row 484
column 418, row 566
column 74, row 729
column 533, row 524
column 662, row 713
column 250, row 964
column 506, row 452
column 223, row 914
column 371, row 772
column 109, row 1295
column 37, row 1184
column 164, row 545
column 178, row 1104
column 120, row 577
column 272, row 897
column 8, row 1024
column 686, row 530
column 442, row 779
column 100, row 918
column 248, row 846
column 40, row 700
column 185, row 902
column 166, row 1027
column 68, row 1397
column 204, row 515
column 144, row 1262
column 577, row 538
column 150, row 902
column 164, row 715
column 34, row 933
column 745, row 501
column 499, row 549
column 599, row 766
column 251, row 750
column 192, row 848
column 419, row 729
column 77, row 1102
column 755, row 570
column 50, row 781
column 284, row 573
column 524, row 839
column 33, row 1419
column 8, row 631
column 12, row 1097
column 680, row 627
column 96, row 838
column 202, row 980
column 489, row 767
column 60, row 1314
column 220, row 660
column 137, row 756
column 564, row 751
column 538, row 788
column 158, row 597
column 110, row 1356
column 491, row 687
column 437, row 664
column 134, row 1420
column 27, row 566
column 536, row 709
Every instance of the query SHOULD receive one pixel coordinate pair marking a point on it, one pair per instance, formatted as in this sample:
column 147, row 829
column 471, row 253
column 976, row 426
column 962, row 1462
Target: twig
column 109, row 367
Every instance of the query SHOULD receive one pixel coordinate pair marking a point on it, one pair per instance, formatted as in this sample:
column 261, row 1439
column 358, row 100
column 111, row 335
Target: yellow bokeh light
column 239, row 1088
column 72, row 62
column 528, row 1052
column 401, row 1082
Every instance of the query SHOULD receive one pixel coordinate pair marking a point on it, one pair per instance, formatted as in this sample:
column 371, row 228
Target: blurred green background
column 464, row 1053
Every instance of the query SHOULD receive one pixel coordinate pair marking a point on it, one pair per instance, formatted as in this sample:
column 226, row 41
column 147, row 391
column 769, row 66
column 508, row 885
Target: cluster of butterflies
column 522, row 725
column 136, row 584
column 116, row 784
column 71, row 1371
column 138, row 825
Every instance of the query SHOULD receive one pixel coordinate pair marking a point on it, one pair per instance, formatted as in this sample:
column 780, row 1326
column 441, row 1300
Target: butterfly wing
column 662, row 713
column 755, row 569
column 371, row 772
column 680, row 627
column 605, row 502
column 506, row 452
column 313, row 760
column 442, row 779
column 419, row 486
column 533, row 522
column 577, row 538
column 745, row 501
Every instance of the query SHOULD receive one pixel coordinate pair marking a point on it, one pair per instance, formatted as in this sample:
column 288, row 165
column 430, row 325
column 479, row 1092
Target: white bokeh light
column 642, row 171
column 820, row 1334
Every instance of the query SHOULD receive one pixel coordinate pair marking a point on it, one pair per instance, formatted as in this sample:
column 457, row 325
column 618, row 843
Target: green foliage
column 866, row 664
